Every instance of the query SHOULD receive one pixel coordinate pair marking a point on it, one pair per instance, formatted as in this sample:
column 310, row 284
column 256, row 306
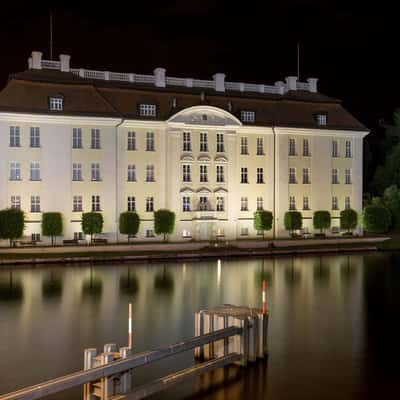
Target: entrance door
column 204, row 231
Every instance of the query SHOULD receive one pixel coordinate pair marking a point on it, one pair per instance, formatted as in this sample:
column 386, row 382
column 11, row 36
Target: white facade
column 147, row 164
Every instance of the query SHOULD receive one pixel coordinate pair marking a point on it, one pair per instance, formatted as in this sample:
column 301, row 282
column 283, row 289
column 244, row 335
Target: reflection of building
column 75, row 140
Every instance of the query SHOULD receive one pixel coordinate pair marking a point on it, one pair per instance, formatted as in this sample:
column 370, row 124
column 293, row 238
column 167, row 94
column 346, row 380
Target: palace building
column 212, row 151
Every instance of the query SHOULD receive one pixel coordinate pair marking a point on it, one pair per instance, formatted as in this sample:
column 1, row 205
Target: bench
column 70, row 242
column 99, row 241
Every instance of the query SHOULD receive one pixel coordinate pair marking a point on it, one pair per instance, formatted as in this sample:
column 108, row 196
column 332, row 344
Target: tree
column 164, row 222
column 129, row 223
column 322, row 220
column 391, row 199
column 348, row 219
column 263, row 221
column 12, row 224
column 376, row 219
column 92, row 223
column 52, row 225
column 293, row 220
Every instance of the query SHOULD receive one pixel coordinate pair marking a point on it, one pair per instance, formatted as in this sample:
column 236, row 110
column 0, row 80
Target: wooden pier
column 223, row 335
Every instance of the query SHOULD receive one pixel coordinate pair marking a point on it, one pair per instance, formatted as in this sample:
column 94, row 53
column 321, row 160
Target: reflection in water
column 52, row 287
column 334, row 322
column 92, row 287
column 129, row 283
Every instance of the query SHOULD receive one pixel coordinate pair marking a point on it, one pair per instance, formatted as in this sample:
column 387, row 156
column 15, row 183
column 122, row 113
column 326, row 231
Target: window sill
column 260, row 154
column 150, row 181
column 35, row 147
column 35, row 212
column 35, row 180
column 77, row 211
column 260, row 183
column 96, row 180
column 15, row 180
column 151, row 150
column 77, row 148
column 131, row 149
column 15, row 146
column 96, row 210
column 245, row 183
column 95, row 148
column 131, row 180
column 77, row 180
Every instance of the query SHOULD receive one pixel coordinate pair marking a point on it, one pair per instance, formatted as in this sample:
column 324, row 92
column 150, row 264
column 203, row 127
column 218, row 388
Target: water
column 334, row 326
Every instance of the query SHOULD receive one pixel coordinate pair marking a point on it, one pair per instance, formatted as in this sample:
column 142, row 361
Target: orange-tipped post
column 130, row 326
column 264, row 296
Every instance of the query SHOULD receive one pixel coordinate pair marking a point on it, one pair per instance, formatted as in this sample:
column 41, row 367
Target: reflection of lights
column 218, row 272
column 184, row 269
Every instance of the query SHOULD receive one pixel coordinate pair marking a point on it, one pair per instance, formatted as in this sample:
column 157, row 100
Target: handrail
column 136, row 360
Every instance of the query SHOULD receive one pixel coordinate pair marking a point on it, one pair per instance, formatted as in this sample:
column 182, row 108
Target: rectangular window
column 185, row 203
column 149, row 233
column 321, row 119
column 186, row 173
column 35, row 171
column 78, row 236
column 149, row 204
column 76, row 138
column 244, row 206
column 220, row 204
column 292, row 203
column 96, row 203
column 335, row 148
column 260, row 203
column 16, row 202
column 203, row 142
column 35, row 137
column 347, row 176
column 335, row 205
column 15, row 171
column 203, row 173
column 244, row 231
column 96, row 172
column 56, row 103
column 348, row 153
column 306, row 205
column 244, row 149
column 15, row 139
column 150, row 141
column 260, row 146
column 187, row 142
column 260, row 175
column 306, row 176
column 77, row 172
column 35, row 204
column 292, row 175
column 248, row 116
column 306, row 148
column 186, row 233
column 347, row 203
column 220, row 143
column 131, row 203
column 95, row 142
column 204, row 204
column 150, row 173
column 131, row 173
column 77, row 204
column 292, row 147
column 335, row 179
column 243, row 175
column 220, row 174
column 147, row 110
column 131, row 140
column 35, row 237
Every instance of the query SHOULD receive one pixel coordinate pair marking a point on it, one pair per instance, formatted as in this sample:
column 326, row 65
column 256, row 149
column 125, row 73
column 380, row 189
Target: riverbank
column 164, row 252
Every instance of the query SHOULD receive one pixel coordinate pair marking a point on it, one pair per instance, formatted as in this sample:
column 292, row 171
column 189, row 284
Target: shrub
column 12, row 224
column 52, row 225
column 164, row 222
column 129, row 223
column 376, row 219
column 348, row 219
column 293, row 220
column 92, row 223
column 322, row 220
column 263, row 221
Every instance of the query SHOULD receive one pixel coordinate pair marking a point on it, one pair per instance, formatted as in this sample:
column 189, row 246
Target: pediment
column 203, row 190
column 204, row 158
column 221, row 159
column 187, row 157
column 220, row 190
column 205, row 115
column 187, row 189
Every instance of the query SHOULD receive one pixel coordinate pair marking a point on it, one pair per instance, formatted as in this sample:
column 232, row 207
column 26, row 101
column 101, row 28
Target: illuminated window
column 16, row 202
column 185, row 203
column 77, row 204
column 320, row 119
column 15, row 139
column 131, row 140
column 147, row 110
column 35, row 171
column 96, row 172
column 56, row 103
column 35, row 137
column 248, row 116
column 15, row 171
column 186, row 233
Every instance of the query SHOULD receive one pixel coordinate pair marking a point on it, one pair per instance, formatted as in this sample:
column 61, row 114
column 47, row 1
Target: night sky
column 352, row 48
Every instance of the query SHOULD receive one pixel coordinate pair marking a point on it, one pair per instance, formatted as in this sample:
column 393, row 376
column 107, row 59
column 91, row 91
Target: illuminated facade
column 74, row 140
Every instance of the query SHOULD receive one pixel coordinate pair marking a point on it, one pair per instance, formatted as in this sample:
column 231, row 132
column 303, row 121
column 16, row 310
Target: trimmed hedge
column 376, row 219
column 263, row 221
column 293, row 220
column 348, row 219
column 322, row 220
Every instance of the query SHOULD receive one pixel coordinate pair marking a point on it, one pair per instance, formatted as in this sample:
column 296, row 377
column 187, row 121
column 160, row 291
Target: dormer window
column 56, row 103
column 320, row 119
column 248, row 116
column 147, row 110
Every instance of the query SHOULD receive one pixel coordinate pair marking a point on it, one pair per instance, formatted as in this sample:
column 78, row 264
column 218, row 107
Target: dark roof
column 29, row 91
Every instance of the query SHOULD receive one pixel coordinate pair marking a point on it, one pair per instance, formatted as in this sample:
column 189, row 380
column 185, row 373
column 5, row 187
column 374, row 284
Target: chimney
column 312, row 84
column 219, row 82
column 291, row 82
column 64, row 60
column 159, row 75
column 37, row 60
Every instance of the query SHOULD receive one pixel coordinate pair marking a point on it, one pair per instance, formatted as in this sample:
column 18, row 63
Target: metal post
column 107, row 384
column 126, row 377
column 88, row 363
column 130, row 342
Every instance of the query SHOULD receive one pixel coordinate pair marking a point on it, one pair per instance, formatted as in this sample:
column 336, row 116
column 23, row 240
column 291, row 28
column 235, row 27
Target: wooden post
column 107, row 384
column 130, row 342
column 208, row 327
column 125, row 384
column 219, row 345
column 253, row 337
column 110, row 348
column 88, row 363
